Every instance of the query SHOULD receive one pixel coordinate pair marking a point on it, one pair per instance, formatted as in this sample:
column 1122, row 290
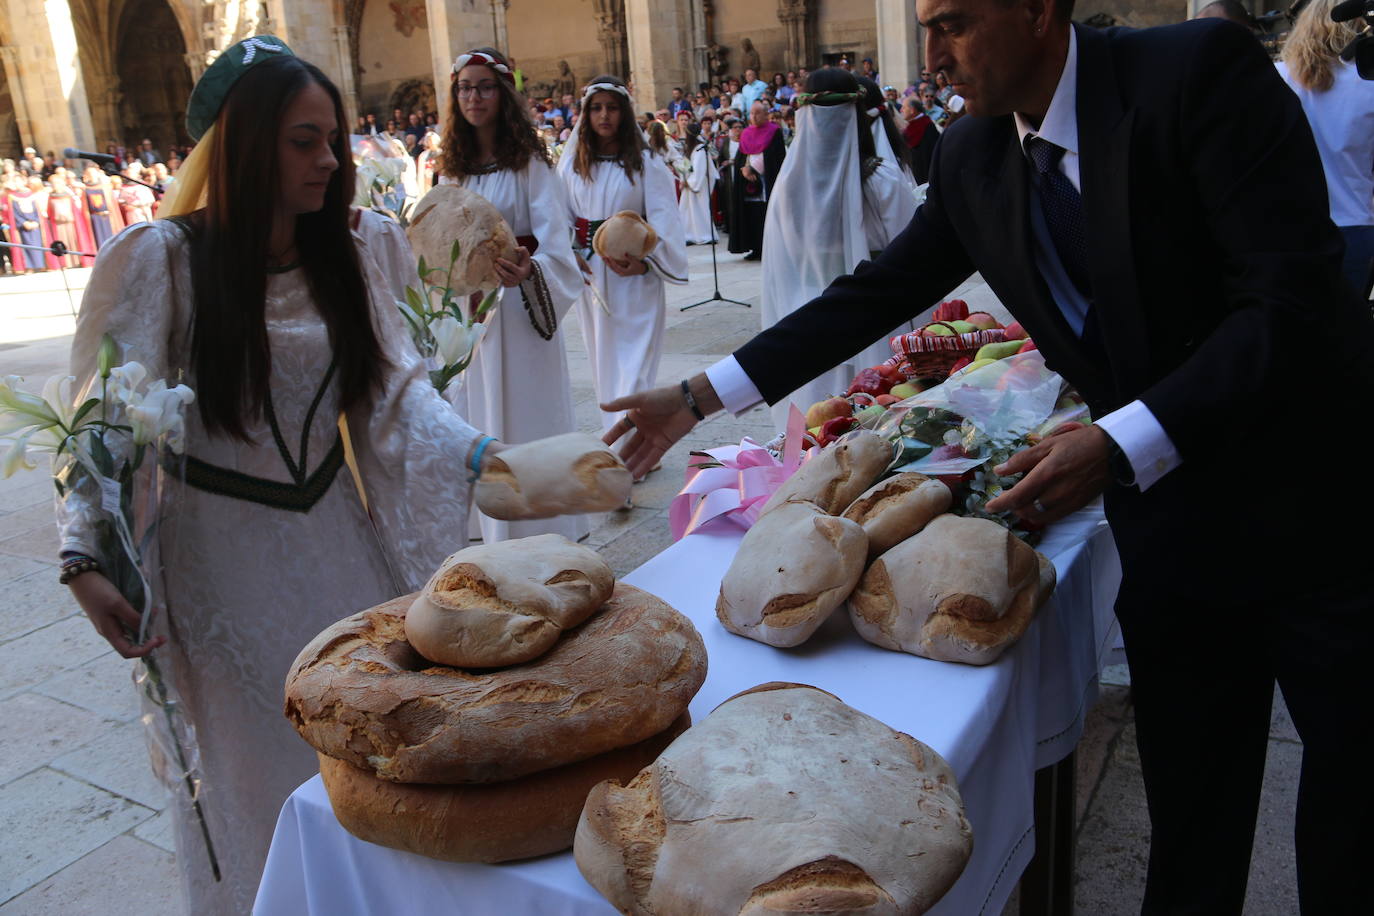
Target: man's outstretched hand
column 656, row 419
column 1064, row 472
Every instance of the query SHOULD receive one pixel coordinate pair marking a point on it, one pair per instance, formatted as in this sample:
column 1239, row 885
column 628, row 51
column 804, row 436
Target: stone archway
column 154, row 79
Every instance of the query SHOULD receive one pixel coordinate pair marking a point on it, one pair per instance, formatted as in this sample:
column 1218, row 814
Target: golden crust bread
column 624, row 235
column 450, row 213
column 838, row 475
column 566, row 474
column 894, row 509
column 360, row 693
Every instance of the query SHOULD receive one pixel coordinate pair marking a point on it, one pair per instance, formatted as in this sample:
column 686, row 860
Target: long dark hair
column 838, row 79
column 231, row 359
column 873, row 98
column 632, row 146
column 692, row 140
column 516, row 139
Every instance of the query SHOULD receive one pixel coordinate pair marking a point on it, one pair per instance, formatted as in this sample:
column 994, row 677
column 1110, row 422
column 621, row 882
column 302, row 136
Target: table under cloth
column 995, row 725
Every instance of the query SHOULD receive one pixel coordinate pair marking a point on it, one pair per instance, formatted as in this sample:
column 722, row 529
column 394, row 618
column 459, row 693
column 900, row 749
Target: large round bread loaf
column 561, row 475
column 450, row 213
column 962, row 590
column 793, row 568
column 783, row 800
column 505, row 603
column 837, row 475
column 894, row 509
column 531, row 816
column 359, row 692
column 624, row 235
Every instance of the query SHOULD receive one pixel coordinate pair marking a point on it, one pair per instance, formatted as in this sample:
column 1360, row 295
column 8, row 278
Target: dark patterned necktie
column 1063, row 209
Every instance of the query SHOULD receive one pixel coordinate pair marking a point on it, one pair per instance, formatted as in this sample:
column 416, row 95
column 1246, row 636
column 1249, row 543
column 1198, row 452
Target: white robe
column 246, row 586
column 695, row 204
column 889, row 204
column 518, row 388
column 625, row 347
column 390, row 251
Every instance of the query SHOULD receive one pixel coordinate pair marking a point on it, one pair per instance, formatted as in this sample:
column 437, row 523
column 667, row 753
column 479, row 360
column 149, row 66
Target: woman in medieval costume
column 757, row 165
column 29, row 224
column 698, row 171
column 518, row 387
column 106, row 220
column 68, row 222
column 268, row 306
column 607, row 168
column 824, row 218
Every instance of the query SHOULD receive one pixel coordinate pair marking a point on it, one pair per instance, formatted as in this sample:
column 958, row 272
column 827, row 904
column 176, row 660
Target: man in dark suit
column 1150, row 205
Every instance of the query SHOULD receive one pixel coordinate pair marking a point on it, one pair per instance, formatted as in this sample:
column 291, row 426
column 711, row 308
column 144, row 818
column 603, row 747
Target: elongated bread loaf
column 561, row 475
column 793, row 568
column 783, row 800
column 530, row 816
column 836, row 476
column 962, row 590
column 894, row 509
column 360, row 693
column 450, row 213
column 505, row 603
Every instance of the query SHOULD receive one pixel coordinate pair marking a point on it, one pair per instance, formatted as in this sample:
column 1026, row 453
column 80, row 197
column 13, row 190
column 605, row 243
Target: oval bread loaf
column 450, row 213
column 624, row 235
column 501, row 604
column 837, row 475
column 531, row 816
column 793, row 568
column 894, row 509
column 360, row 693
column 962, row 590
column 561, row 475
column 783, row 800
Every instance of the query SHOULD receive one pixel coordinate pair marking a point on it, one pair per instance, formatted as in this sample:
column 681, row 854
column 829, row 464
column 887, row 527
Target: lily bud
column 107, row 354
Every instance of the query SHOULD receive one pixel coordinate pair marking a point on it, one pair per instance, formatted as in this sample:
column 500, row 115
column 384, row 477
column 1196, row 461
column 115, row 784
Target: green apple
column 1000, row 350
column 937, row 330
column 870, row 416
column 976, row 365
column 904, row 390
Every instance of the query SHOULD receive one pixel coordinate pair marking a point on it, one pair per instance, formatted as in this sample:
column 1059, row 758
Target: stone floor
column 80, row 823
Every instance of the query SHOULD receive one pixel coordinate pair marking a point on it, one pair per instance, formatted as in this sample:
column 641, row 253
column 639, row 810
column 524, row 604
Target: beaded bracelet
column 74, row 565
column 475, row 465
column 691, row 401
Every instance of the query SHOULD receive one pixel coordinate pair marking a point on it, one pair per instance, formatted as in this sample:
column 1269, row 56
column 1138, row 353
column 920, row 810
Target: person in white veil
column 700, row 177
column 607, row 167
column 815, row 230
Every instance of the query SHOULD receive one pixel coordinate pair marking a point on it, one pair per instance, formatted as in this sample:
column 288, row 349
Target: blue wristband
column 476, row 464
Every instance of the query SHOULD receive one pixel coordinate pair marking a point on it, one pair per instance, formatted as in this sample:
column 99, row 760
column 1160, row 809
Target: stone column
column 501, row 37
column 454, row 27
column 660, row 39
column 900, row 51
column 798, row 18
column 347, row 87
column 9, row 57
column 46, row 80
column 610, row 33
column 308, row 26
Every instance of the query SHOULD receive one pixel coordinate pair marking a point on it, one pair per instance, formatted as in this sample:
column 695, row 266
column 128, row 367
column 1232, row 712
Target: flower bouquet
column 100, row 444
column 446, row 327
column 377, row 180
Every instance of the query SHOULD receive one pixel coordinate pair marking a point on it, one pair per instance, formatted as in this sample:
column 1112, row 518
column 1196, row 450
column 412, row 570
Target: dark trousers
column 1202, row 680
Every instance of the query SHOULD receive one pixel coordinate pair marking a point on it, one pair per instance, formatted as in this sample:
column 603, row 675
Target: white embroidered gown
column 518, row 388
column 247, row 585
column 695, row 204
column 625, row 346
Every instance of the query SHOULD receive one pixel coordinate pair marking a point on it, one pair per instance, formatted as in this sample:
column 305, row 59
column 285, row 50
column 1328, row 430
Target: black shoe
column 754, row 256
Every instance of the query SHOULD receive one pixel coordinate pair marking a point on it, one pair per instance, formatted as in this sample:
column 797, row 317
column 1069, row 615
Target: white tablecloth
column 995, row 725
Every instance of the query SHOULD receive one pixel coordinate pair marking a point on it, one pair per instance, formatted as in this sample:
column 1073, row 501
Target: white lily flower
column 159, row 412
column 17, row 457
column 15, row 400
column 453, row 339
column 124, row 382
column 57, row 391
column 391, row 170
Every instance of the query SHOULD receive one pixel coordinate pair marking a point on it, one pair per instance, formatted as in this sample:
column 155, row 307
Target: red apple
column 1028, row 346
column 983, row 321
column 962, row 362
column 885, row 399
column 892, row 372
column 819, row 412
column 836, row 427
column 1014, row 331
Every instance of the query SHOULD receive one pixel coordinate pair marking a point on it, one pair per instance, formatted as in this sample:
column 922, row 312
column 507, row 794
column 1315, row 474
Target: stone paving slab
column 125, row 877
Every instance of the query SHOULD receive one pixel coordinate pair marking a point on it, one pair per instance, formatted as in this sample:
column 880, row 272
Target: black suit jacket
column 1215, row 277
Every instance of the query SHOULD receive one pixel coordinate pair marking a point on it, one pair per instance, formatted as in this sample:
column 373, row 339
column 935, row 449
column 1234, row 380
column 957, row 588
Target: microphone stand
column 715, row 272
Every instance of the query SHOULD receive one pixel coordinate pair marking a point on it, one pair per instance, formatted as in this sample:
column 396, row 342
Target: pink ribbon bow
column 730, row 484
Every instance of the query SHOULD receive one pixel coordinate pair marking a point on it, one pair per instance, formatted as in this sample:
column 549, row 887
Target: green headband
column 826, row 98
column 214, row 84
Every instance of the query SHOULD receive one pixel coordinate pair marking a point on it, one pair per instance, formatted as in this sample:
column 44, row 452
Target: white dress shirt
column 1133, row 427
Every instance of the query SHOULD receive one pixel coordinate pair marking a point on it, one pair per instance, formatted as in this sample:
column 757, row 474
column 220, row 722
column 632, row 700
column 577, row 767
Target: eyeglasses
column 486, row 89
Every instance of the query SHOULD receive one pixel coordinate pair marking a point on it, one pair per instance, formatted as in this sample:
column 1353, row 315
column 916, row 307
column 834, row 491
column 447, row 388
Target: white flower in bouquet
column 452, row 338
column 159, row 412
column 683, row 167
column 446, row 330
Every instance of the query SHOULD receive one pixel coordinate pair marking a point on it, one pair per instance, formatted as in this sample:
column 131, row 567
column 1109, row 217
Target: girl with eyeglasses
column 518, row 387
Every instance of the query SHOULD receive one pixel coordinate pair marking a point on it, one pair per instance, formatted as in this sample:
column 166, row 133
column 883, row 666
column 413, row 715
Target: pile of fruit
column 877, row 388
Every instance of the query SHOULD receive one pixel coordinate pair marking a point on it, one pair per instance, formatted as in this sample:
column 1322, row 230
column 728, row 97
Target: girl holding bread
column 607, row 168
column 518, row 386
column 273, row 311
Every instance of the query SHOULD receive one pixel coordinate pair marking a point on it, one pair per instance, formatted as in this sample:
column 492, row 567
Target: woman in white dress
column 700, row 177
column 835, row 202
column 269, row 308
column 518, row 387
column 607, row 168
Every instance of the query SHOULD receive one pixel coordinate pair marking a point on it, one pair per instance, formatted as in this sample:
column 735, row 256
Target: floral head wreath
column 486, row 60
column 593, row 88
column 826, row 98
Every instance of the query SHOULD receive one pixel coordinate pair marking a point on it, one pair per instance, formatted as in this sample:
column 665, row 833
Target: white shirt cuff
column 735, row 389
column 1145, row 443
